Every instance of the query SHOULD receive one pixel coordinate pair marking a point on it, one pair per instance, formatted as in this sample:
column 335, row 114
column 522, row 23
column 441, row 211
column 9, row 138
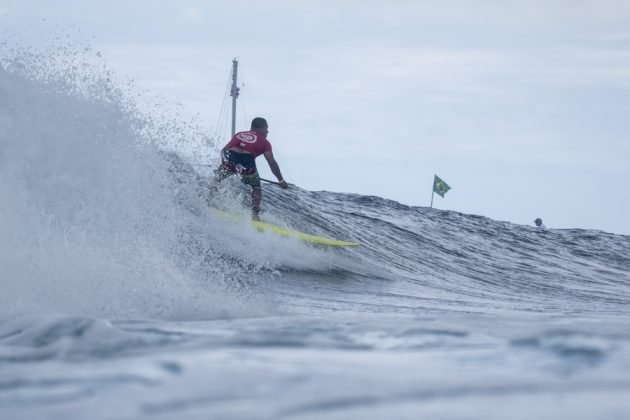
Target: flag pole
column 432, row 194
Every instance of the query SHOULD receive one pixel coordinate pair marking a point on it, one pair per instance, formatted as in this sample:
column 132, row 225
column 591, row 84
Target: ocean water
column 124, row 297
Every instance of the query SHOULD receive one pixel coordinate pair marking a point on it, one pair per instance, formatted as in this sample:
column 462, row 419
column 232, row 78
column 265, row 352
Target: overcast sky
column 523, row 107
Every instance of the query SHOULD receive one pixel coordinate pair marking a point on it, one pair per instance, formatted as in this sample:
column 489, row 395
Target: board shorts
column 241, row 164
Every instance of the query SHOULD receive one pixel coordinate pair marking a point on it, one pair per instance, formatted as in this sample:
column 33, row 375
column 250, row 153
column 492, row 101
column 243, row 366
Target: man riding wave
column 238, row 157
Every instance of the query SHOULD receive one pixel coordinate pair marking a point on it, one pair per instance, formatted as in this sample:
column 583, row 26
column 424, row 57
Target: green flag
column 440, row 186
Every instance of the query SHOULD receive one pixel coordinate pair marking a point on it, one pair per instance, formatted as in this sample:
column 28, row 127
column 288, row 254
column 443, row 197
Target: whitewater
column 124, row 297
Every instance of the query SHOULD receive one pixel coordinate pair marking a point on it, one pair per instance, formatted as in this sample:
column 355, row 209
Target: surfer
column 539, row 223
column 238, row 157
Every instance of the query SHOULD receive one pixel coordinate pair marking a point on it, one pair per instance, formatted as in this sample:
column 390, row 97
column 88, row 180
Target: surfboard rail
column 286, row 232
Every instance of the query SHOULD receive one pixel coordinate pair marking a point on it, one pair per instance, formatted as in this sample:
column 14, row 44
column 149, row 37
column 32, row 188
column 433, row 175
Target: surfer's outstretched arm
column 273, row 165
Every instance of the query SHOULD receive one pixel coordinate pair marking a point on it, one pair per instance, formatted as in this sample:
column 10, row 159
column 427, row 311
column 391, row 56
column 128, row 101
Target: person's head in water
column 538, row 221
column 260, row 124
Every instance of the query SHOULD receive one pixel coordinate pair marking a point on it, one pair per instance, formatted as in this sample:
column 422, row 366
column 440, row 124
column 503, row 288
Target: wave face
column 124, row 296
column 420, row 258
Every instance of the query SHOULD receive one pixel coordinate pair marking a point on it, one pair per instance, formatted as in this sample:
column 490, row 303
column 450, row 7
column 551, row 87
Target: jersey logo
column 246, row 137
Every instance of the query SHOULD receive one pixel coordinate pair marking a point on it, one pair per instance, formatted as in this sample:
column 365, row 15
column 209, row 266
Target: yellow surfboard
column 286, row 232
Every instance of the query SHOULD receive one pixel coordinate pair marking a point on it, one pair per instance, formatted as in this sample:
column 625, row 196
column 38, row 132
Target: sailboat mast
column 234, row 94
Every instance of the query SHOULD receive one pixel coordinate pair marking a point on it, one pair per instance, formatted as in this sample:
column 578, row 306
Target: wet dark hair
column 259, row 122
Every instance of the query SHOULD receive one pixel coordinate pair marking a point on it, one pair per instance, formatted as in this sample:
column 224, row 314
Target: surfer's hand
column 283, row 184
